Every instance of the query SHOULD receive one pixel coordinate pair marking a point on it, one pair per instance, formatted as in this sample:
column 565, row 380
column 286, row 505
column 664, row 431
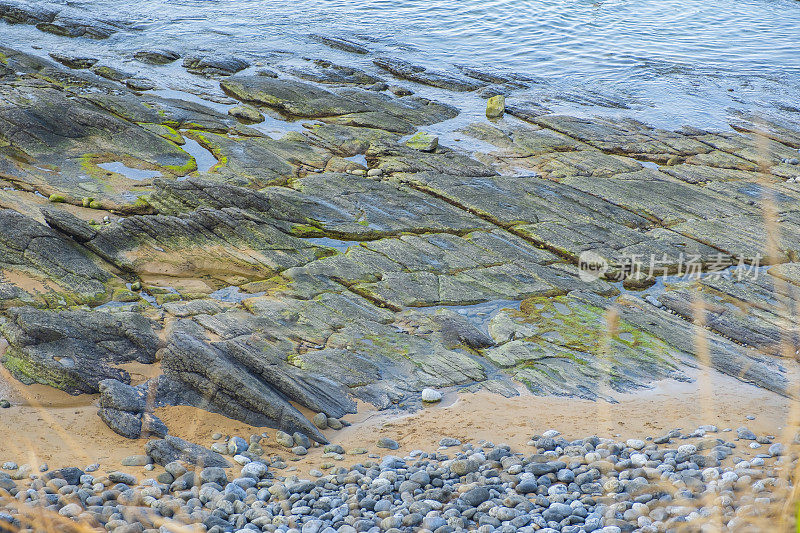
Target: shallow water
column 136, row 174
column 338, row 244
column 672, row 62
column 478, row 314
column 204, row 159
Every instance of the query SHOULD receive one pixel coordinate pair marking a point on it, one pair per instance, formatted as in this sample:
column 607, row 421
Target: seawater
column 668, row 62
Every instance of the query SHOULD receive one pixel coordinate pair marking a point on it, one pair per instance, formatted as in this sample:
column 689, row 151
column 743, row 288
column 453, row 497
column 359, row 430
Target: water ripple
column 683, row 56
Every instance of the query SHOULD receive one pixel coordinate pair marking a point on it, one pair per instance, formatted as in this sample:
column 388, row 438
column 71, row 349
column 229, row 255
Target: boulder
column 171, row 448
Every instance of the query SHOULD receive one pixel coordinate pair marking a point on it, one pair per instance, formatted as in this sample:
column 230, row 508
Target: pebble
column 431, row 396
column 237, row 445
column 387, row 443
column 320, row 420
column 301, row 440
column 300, row 450
column 254, row 470
column 284, row 439
column 580, row 486
column 777, row 449
column 746, row 434
column 136, row 460
column 122, row 477
column 496, row 106
column 635, row 444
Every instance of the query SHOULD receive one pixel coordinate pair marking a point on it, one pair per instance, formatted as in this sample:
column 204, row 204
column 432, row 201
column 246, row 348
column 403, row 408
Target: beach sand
column 63, row 430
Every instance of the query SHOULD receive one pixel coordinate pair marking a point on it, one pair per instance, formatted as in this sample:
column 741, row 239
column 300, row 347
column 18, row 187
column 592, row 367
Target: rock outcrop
column 337, row 261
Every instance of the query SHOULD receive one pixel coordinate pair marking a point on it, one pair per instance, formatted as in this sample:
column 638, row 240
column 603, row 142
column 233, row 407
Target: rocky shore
column 286, row 242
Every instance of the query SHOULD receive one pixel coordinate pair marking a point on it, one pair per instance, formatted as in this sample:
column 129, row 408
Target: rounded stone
column 237, row 445
column 284, row 439
column 431, row 396
column 320, row 420
column 387, row 443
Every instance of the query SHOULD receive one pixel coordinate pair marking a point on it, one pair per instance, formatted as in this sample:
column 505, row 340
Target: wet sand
column 62, row 430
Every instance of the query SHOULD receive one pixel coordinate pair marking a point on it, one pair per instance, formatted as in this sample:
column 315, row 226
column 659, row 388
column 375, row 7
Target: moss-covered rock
column 44, row 266
column 124, row 295
column 424, row 142
column 565, row 346
column 75, row 350
column 496, row 106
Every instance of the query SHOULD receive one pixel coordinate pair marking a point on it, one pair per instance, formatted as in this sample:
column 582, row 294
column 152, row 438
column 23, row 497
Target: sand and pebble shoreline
column 518, row 501
column 680, row 479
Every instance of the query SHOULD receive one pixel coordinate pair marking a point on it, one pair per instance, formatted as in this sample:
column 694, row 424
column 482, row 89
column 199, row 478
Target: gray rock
column 462, row 467
column 475, row 497
column 41, row 338
column 746, row 434
column 389, row 444
column 214, row 475
column 449, row 442
column 333, row 448
column 777, row 449
column 284, row 439
column 254, row 469
column 636, row 444
column 136, row 460
column 404, row 69
column 140, row 84
column 320, row 420
column 237, row 445
column 76, row 62
column 246, row 113
column 207, row 65
column 557, row 512
column 291, row 97
column 171, row 449
column 526, row 486
column 71, row 510
column 301, row 440
column 157, row 56
column 122, row 477
column 340, row 43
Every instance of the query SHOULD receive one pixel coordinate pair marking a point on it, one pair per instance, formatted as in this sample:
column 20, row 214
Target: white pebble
column 431, row 396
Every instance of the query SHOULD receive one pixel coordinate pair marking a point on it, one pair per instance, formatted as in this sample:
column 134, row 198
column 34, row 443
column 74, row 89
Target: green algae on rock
column 496, row 106
column 424, row 142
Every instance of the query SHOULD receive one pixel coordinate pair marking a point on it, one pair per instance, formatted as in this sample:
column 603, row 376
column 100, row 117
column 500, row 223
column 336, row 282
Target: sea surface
column 669, row 62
